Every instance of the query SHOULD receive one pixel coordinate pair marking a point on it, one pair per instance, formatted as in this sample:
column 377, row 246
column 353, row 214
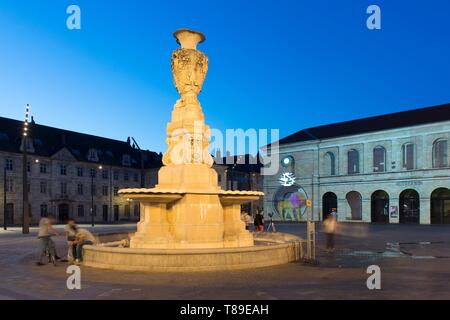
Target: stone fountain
column 188, row 222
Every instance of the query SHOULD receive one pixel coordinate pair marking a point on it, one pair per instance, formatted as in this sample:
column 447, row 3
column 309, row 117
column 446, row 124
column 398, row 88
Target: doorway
column 440, row 206
column 409, row 206
column 379, row 203
column 329, row 201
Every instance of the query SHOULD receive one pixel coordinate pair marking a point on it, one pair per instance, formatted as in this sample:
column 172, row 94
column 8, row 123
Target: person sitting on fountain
column 82, row 237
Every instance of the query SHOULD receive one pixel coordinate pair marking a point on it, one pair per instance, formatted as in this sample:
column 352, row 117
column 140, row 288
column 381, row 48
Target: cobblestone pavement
column 414, row 262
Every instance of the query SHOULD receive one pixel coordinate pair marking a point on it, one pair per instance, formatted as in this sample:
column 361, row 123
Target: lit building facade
column 71, row 174
column 392, row 168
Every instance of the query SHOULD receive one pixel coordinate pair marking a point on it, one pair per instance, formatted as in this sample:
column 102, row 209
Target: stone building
column 391, row 168
column 64, row 167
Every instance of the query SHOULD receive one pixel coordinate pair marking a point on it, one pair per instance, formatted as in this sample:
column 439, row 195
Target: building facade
column 71, row 174
column 389, row 169
column 240, row 173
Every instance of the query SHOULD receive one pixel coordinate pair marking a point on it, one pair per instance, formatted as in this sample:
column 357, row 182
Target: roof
column 49, row 140
column 378, row 123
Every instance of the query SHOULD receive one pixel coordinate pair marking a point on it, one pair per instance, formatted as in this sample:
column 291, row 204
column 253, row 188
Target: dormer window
column 93, row 155
column 126, row 160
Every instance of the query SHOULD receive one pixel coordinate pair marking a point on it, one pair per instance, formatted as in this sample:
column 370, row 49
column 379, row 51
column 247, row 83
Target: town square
column 179, row 156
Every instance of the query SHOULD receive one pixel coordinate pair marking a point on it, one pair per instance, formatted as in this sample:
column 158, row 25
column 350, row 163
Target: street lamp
column 25, row 203
column 92, row 194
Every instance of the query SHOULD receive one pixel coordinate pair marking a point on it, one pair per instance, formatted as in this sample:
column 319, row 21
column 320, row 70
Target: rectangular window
column 125, row 176
column 353, row 162
column 105, row 174
column 63, row 188
column 93, row 172
column 94, row 210
column 44, row 210
column 136, row 210
column 379, row 159
column 79, row 172
column 116, row 175
column 136, row 177
column 116, row 191
column 80, row 210
column 105, row 190
column 93, row 189
column 127, row 210
column 63, row 170
column 43, row 186
column 9, row 164
column 28, row 166
column 9, row 185
column 80, row 189
column 43, row 167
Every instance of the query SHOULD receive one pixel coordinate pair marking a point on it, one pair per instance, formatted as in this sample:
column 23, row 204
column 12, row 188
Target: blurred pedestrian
column 46, row 247
column 70, row 230
column 330, row 225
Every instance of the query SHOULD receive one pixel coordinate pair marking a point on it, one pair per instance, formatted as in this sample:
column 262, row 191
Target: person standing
column 330, row 225
column 83, row 237
column 259, row 221
column 46, row 243
column 70, row 232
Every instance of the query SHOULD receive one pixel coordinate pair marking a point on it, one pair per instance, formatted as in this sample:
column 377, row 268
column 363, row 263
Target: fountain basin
column 270, row 249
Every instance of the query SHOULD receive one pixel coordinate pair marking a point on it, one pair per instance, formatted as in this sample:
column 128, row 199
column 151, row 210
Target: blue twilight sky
column 273, row 64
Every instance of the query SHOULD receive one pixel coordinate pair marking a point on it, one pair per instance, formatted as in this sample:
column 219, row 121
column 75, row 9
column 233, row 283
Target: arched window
column 330, row 164
column 379, row 159
column 353, row 161
column 440, row 153
column 408, row 155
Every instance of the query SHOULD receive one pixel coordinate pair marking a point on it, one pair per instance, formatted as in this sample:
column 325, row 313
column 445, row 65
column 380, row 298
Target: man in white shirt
column 70, row 232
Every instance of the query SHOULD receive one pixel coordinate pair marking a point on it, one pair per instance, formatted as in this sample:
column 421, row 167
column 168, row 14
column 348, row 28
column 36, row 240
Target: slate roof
column 48, row 140
column 378, row 123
